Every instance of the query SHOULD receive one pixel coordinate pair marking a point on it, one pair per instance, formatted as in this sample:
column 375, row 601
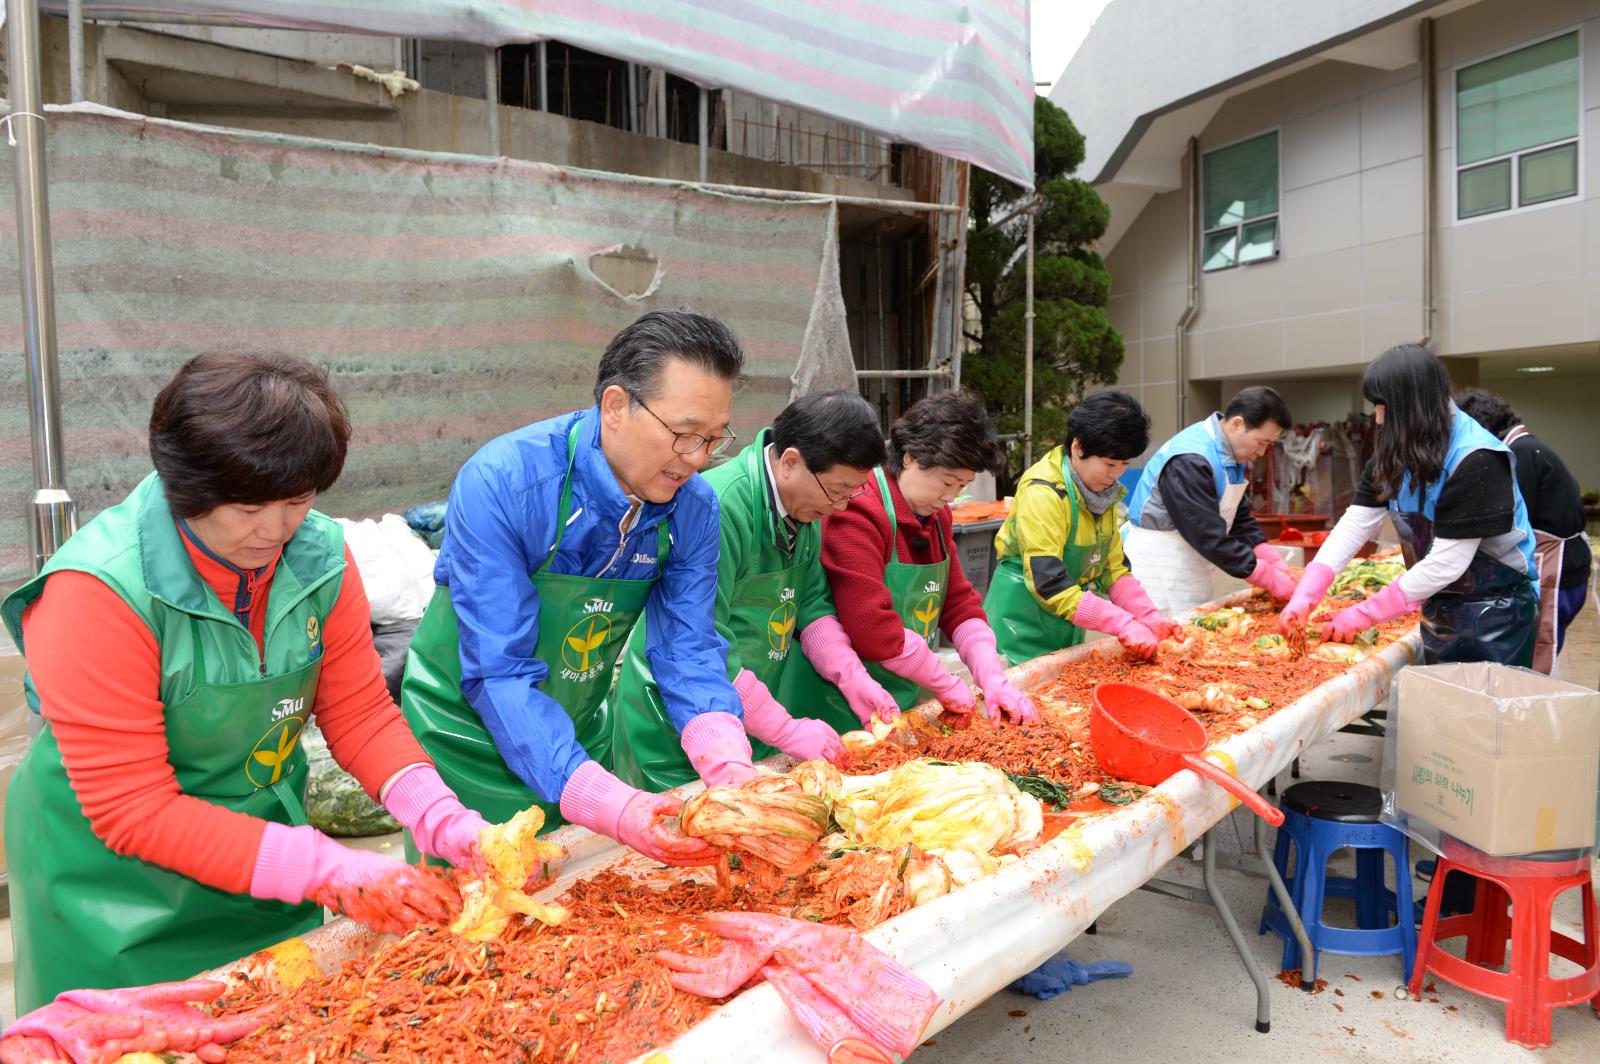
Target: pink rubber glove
column 828, row 649
column 1096, row 614
column 1386, row 605
column 1274, row 581
column 1271, row 555
column 1313, row 585
column 718, row 749
column 595, row 799
column 102, row 1025
column 294, row 862
column 974, row 641
column 439, row 824
column 1129, row 594
column 917, row 663
column 829, row 1026
column 884, row 999
column 802, row 738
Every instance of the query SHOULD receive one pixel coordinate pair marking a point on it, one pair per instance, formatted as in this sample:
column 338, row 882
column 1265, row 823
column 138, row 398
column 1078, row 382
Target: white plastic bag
column 396, row 567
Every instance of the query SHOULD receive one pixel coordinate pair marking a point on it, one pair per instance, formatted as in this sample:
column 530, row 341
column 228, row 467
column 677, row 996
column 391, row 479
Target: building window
column 1517, row 121
column 1240, row 217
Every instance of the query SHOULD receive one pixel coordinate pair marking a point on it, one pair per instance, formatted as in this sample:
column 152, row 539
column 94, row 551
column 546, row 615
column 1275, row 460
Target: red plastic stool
column 1530, row 887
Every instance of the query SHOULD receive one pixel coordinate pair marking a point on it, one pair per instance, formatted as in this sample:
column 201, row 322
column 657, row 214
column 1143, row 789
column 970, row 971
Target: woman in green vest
column 772, row 594
column 891, row 562
column 176, row 647
column 1061, row 568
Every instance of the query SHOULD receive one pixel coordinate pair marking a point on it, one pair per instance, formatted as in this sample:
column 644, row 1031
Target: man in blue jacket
column 558, row 537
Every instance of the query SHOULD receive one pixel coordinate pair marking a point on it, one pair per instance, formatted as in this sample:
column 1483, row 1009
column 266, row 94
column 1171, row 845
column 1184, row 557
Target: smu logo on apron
column 583, row 648
column 265, row 765
column 927, row 610
column 780, row 626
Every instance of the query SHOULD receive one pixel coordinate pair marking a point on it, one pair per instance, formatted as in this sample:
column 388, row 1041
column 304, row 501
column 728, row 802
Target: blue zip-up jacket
column 499, row 528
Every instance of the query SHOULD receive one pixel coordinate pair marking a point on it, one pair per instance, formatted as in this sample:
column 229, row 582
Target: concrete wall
column 1348, row 281
column 1561, row 411
column 327, row 49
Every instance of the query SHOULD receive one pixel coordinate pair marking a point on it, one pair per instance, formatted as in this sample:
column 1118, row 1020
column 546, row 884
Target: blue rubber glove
column 1061, row 973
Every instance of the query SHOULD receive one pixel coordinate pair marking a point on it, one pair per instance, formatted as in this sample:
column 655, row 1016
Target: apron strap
column 291, row 802
column 1072, row 499
column 888, row 508
column 564, row 510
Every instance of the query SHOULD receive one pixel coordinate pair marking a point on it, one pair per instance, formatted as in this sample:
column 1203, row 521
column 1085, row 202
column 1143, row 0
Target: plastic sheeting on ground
column 972, row 942
column 953, row 76
column 452, row 298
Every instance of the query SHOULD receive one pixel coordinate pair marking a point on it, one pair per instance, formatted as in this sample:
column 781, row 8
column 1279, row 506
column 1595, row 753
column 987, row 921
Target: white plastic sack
column 396, row 567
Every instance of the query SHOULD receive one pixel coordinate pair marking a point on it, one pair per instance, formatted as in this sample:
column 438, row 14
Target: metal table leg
column 1208, row 872
column 1212, row 896
column 1296, row 925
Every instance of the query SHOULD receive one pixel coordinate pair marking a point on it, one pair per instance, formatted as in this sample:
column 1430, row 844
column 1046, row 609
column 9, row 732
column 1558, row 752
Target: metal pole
column 491, row 95
column 661, row 104
column 941, row 373
column 1027, row 355
column 52, row 515
column 544, row 76
column 705, row 135
column 75, row 49
column 633, row 97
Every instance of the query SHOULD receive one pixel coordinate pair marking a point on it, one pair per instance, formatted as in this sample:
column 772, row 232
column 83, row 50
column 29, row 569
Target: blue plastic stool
column 1321, row 818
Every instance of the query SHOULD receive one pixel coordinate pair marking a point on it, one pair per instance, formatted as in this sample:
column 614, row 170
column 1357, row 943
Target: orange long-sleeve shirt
column 97, row 669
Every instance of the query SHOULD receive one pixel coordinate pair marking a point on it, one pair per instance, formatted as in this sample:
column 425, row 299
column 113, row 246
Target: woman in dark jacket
column 1555, row 509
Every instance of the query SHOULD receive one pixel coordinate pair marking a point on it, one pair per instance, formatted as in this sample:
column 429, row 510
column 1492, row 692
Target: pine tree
column 1074, row 345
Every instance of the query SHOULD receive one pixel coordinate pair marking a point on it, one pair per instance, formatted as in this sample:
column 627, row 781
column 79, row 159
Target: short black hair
column 947, row 429
column 829, row 428
column 1488, row 410
column 246, row 428
column 1258, row 405
column 635, row 356
column 1109, row 424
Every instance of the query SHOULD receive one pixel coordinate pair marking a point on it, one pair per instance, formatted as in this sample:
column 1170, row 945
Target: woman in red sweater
column 895, row 576
column 176, row 646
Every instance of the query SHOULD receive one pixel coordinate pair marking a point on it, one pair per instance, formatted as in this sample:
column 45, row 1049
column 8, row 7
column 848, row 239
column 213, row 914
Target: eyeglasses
column 856, row 494
column 686, row 443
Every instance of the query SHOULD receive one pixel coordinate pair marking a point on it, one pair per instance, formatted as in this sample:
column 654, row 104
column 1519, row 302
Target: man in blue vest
column 1190, row 513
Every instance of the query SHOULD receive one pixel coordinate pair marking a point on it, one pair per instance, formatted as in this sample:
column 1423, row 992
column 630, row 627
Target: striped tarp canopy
column 953, row 76
column 452, row 298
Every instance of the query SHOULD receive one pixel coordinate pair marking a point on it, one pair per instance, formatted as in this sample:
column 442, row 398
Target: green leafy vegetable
column 1045, row 790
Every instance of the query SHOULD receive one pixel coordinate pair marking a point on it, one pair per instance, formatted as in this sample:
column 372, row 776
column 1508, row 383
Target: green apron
column 917, row 592
column 83, row 916
column 646, row 748
column 1025, row 630
column 583, row 624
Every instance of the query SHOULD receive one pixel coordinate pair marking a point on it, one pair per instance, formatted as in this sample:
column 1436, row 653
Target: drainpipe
column 1192, row 309
column 1428, row 193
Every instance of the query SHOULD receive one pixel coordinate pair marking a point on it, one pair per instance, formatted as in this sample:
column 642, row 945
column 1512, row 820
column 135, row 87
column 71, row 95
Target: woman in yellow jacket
column 1061, row 567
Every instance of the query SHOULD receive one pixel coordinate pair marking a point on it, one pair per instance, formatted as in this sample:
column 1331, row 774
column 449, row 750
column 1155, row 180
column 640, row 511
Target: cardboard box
column 1504, row 759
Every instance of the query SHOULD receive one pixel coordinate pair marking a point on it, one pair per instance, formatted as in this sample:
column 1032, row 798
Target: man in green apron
column 889, row 561
column 176, row 647
column 771, row 591
column 1061, row 568
column 558, row 537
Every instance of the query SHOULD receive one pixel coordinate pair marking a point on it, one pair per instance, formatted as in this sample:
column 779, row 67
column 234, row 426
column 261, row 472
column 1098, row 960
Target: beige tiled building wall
column 1347, row 282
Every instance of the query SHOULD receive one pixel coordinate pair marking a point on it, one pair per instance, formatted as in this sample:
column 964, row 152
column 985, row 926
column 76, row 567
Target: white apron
column 1177, row 577
column 1549, row 550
